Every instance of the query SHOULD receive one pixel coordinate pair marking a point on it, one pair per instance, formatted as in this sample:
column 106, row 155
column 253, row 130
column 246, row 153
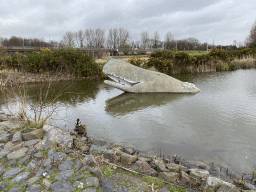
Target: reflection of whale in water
column 129, row 102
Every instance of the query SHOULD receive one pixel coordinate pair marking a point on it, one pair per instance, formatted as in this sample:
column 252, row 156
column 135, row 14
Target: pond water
column 216, row 125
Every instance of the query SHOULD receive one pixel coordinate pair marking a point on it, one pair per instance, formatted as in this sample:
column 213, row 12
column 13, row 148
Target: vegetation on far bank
column 69, row 60
column 172, row 62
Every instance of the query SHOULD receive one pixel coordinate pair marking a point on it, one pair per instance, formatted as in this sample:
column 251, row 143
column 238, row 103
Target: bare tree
column 123, row 36
column 80, row 36
column 169, row 40
column 90, row 38
column 113, row 38
column 69, row 39
column 144, row 39
column 99, row 38
column 251, row 39
column 156, row 39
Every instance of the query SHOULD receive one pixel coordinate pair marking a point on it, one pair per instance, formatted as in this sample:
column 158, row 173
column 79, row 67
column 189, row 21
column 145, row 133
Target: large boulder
column 58, row 135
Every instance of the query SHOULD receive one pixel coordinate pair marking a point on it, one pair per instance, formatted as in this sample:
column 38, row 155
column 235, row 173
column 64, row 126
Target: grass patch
column 124, row 183
column 121, row 171
column 107, row 171
column 196, row 52
column 176, row 189
column 151, row 180
column 44, row 152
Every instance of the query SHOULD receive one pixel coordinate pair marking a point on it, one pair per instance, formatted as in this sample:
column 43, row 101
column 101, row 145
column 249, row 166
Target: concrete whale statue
column 130, row 78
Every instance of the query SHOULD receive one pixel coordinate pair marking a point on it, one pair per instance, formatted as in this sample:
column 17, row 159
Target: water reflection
column 129, row 102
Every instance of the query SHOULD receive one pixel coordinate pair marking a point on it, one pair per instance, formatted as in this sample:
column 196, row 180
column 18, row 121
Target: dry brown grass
column 246, row 62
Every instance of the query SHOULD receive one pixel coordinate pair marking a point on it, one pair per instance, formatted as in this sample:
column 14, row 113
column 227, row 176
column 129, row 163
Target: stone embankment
column 51, row 159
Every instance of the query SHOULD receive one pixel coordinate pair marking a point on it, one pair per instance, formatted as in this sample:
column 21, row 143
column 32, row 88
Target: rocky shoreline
column 51, row 159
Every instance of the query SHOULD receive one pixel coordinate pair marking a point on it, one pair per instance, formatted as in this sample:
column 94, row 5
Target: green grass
column 196, row 52
column 44, row 152
column 150, row 180
column 176, row 189
column 107, row 171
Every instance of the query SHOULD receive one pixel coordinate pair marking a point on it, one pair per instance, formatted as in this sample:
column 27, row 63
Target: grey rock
column 47, row 183
column 31, row 151
column 77, row 164
column 226, row 188
column 44, row 171
column 59, row 136
column 90, row 190
column 16, row 189
column 51, row 153
column 58, row 156
column 8, row 145
column 64, row 175
column 85, row 148
column 79, row 176
column 3, row 186
column 17, row 137
column 65, row 165
column 21, row 177
column 85, row 168
column 11, row 172
column 161, row 167
column 3, row 117
column 122, row 188
column 49, row 144
column 9, row 125
column 36, row 134
column 2, row 168
column 212, row 182
column 164, row 190
column 249, row 186
column 79, row 184
column 27, row 130
column 198, row 173
column 144, row 80
column 34, row 188
column 96, row 171
column 62, row 186
column 107, row 185
column 12, row 162
column 5, row 138
column 32, row 180
column 95, row 149
column 47, row 162
column 109, row 154
column 69, row 151
column 32, row 142
column 32, row 164
column 17, row 154
column 38, row 155
column 128, row 159
column 24, row 160
column 176, row 168
column 129, row 150
column 92, row 182
column 143, row 167
column 169, row 176
column 4, row 153
column 89, row 159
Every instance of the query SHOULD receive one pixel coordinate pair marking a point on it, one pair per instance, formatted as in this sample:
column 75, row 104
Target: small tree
column 251, row 39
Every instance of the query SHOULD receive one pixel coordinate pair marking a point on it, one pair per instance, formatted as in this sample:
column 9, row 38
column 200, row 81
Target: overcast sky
column 221, row 21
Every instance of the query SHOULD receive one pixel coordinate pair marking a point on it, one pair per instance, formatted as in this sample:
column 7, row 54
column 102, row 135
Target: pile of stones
column 51, row 159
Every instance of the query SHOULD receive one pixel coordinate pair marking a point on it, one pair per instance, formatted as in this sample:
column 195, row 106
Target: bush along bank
column 51, row 159
column 172, row 62
column 72, row 61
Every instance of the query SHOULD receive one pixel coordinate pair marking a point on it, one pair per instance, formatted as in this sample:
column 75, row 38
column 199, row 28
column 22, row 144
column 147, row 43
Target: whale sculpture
column 130, row 78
